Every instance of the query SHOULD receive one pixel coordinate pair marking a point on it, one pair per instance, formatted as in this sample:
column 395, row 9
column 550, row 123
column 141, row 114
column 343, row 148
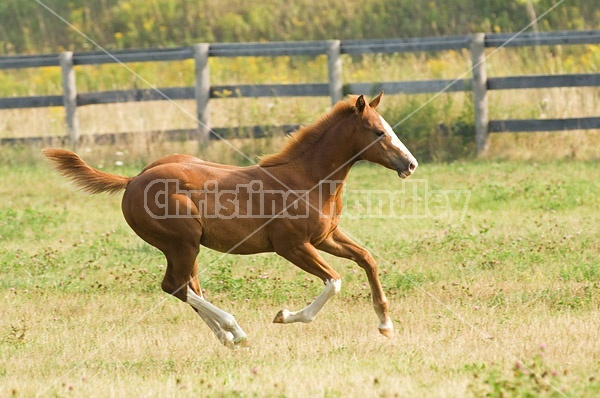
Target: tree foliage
column 27, row 27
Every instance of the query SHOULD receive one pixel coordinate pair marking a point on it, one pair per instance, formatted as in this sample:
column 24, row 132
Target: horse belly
column 235, row 236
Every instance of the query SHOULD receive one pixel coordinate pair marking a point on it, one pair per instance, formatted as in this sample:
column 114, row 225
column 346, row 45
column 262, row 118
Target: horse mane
column 304, row 139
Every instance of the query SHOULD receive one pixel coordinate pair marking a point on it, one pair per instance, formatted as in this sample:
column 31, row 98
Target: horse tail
column 85, row 177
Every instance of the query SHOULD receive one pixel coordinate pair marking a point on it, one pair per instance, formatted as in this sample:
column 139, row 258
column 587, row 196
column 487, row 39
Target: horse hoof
column 238, row 344
column 241, row 344
column 389, row 333
column 280, row 317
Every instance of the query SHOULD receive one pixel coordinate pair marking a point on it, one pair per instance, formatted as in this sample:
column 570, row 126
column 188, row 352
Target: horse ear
column 375, row 101
column 360, row 104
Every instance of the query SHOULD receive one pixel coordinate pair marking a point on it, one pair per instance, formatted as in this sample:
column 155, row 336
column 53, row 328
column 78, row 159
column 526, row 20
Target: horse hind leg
column 179, row 240
column 181, row 280
column 222, row 323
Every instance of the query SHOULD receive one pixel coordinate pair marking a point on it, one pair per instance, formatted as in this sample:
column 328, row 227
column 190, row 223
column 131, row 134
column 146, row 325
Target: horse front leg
column 308, row 258
column 341, row 245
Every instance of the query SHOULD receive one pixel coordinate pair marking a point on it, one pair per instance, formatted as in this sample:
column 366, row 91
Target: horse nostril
column 412, row 166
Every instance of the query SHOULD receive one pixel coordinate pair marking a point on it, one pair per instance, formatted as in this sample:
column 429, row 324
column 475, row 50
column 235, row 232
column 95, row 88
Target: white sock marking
column 222, row 323
column 309, row 313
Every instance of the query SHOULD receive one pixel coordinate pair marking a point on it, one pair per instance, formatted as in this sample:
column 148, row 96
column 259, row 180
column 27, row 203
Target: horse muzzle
column 408, row 169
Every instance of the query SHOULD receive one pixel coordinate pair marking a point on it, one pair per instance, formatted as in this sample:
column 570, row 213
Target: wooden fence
column 202, row 91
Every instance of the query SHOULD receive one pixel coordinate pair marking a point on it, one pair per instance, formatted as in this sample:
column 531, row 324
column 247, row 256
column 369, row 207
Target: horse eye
column 380, row 133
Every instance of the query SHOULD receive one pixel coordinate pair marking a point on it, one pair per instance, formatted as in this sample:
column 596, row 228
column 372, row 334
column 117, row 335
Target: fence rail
column 335, row 88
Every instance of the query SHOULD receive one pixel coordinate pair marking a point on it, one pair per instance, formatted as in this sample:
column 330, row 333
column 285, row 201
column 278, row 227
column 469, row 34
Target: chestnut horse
column 290, row 204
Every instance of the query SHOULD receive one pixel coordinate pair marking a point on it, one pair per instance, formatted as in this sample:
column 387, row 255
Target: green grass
column 503, row 302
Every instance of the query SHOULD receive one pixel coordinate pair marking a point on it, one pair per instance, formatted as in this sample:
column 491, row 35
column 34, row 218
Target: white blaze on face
column 395, row 140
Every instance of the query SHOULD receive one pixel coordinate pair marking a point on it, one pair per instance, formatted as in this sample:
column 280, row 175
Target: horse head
column 377, row 142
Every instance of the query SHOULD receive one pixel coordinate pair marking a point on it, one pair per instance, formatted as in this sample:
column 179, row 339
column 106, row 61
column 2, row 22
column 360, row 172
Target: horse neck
column 332, row 156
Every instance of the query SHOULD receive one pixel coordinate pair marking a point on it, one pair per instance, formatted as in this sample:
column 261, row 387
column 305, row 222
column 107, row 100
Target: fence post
column 480, row 102
column 69, row 97
column 202, row 89
column 334, row 65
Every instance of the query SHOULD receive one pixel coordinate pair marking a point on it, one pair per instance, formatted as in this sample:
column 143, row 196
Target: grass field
column 501, row 300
